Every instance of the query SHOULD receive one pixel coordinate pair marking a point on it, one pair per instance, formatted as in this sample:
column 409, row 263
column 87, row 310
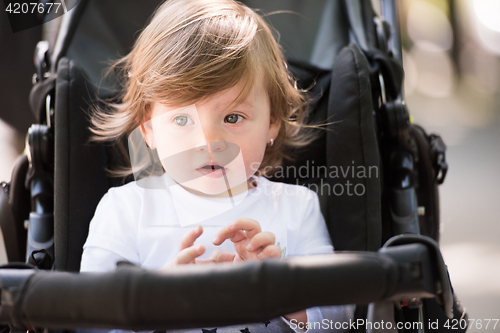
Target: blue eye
column 233, row 118
column 183, row 120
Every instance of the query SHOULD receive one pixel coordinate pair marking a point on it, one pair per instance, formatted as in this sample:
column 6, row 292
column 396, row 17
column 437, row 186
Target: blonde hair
column 193, row 49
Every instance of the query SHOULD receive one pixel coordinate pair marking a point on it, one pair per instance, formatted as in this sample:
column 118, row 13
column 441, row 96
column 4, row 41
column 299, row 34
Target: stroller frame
column 408, row 267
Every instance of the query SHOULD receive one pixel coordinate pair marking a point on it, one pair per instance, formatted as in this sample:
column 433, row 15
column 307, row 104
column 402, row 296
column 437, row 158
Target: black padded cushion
column 80, row 180
column 351, row 140
column 298, row 169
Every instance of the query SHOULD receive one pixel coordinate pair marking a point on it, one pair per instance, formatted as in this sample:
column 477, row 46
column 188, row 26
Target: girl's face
column 213, row 146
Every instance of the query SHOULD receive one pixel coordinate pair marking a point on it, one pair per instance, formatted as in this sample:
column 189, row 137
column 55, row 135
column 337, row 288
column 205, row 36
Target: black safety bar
column 204, row 295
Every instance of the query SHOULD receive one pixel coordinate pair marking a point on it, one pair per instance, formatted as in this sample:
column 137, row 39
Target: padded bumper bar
column 199, row 295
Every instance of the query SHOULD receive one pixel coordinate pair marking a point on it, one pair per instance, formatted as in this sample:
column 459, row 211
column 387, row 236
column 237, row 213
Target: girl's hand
column 188, row 252
column 250, row 242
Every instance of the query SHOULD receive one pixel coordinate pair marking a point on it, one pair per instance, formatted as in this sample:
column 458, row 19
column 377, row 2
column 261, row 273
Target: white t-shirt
column 143, row 223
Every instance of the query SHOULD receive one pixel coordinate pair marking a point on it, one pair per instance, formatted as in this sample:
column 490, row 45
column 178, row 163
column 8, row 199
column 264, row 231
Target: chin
column 206, row 185
column 214, row 186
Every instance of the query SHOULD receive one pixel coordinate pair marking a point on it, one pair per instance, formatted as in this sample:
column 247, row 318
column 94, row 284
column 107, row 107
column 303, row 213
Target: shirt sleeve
column 313, row 234
column 335, row 319
column 314, row 239
column 112, row 232
column 97, row 259
column 332, row 318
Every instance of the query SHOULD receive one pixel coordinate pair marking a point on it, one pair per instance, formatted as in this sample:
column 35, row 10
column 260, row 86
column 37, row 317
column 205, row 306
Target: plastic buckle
column 383, row 31
column 41, row 60
column 440, row 164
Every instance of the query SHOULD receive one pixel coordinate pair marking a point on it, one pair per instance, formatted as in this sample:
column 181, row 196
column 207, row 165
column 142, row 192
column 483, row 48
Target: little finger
column 272, row 251
column 262, row 239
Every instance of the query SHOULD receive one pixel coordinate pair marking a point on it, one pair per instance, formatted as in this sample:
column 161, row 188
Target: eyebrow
column 246, row 102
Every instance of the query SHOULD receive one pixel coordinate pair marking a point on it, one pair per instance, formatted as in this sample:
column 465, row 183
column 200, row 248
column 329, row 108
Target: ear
column 274, row 127
column 147, row 133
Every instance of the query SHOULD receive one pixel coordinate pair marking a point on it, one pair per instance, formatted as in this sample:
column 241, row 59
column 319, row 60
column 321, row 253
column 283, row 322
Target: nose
column 217, row 146
column 212, row 140
column 212, row 146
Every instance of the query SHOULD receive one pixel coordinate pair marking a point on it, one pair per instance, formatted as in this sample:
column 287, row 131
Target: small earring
column 271, row 143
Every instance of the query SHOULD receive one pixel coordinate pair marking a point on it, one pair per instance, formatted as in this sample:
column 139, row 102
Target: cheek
column 253, row 154
column 172, row 140
column 165, row 144
column 254, row 145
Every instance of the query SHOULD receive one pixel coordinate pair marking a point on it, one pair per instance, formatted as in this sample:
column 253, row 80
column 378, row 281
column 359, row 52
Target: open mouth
column 212, row 170
column 212, row 167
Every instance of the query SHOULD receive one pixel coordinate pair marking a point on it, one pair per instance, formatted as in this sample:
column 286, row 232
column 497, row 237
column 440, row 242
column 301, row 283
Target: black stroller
column 404, row 284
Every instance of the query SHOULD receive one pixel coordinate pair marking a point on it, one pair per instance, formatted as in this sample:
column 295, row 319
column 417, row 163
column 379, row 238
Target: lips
column 214, row 170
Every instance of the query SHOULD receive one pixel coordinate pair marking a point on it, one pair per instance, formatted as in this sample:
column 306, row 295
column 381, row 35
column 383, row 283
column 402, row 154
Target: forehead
column 245, row 92
column 248, row 93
